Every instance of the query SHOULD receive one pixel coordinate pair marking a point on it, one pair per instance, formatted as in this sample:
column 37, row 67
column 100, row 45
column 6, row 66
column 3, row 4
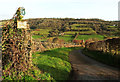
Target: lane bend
column 85, row 68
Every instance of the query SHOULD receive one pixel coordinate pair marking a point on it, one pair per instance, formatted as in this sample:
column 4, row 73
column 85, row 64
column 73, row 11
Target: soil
column 85, row 68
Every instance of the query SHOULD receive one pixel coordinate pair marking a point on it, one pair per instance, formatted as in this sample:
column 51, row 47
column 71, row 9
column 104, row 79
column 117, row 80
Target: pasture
column 36, row 36
column 86, row 37
column 67, row 38
column 41, row 31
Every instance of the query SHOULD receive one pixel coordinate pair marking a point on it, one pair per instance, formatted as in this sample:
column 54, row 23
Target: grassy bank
column 54, row 62
column 105, row 58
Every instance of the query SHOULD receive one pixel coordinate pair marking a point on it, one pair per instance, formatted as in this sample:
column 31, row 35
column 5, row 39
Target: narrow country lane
column 85, row 68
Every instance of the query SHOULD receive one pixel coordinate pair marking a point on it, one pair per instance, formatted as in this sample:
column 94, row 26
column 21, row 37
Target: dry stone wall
column 43, row 46
column 110, row 45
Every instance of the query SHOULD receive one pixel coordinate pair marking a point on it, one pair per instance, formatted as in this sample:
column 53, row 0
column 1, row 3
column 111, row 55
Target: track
column 85, row 68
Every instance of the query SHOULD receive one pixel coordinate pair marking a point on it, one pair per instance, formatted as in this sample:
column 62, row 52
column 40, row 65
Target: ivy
column 15, row 52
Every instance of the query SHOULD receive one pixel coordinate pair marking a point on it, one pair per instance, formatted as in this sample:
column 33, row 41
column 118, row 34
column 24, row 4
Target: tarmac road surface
column 85, row 68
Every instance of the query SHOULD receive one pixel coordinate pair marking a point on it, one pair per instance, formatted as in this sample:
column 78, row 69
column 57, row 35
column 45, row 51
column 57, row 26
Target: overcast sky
column 102, row 9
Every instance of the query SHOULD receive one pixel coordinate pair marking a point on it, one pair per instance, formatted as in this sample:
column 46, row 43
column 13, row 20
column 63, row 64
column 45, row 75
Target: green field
column 66, row 38
column 40, row 37
column 77, row 25
column 42, row 31
column 87, row 29
column 81, row 32
column 36, row 36
column 54, row 62
column 112, row 26
column 71, row 32
column 86, row 37
column 69, row 38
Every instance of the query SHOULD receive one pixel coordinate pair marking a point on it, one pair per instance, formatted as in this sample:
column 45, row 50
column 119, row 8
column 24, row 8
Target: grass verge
column 105, row 58
column 54, row 62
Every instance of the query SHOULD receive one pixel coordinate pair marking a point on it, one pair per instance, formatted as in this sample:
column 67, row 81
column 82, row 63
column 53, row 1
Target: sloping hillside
column 70, row 25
